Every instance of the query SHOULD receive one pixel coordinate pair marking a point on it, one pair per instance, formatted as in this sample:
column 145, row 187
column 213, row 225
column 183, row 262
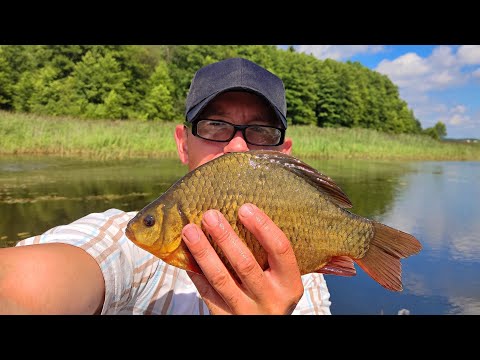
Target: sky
column 438, row 82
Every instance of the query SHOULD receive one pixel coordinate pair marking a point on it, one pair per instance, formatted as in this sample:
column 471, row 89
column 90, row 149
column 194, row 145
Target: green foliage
column 441, row 129
column 95, row 77
column 15, row 60
column 6, row 84
column 328, row 105
column 158, row 103
column 151, row 83
column 298, row 74
column 437, row 132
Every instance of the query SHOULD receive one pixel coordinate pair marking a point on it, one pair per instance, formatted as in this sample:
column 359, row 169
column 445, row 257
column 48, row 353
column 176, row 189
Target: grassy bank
column 102, row 139
column 32, row 134
column 370, row 144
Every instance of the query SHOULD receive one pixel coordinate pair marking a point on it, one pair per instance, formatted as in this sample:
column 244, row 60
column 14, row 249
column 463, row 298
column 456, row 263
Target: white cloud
column 413, row 73
column 404, row 67
column 443, row 78
column 338, row 52
column 443, row 56
column 469, row 54
column 457, row 120
column 455, row 116
column 420, row 79
column 430, row 112
column 459, row 109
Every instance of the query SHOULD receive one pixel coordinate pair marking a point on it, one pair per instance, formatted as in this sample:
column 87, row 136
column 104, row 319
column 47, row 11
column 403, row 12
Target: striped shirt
column 137, row 282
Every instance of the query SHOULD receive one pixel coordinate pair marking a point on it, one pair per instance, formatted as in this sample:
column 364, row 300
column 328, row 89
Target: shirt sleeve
column 101, row 235
column 316, row 297
column 136, row 282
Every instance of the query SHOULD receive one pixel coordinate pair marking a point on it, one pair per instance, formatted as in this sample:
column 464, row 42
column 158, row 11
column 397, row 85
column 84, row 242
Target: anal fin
column 339, row 265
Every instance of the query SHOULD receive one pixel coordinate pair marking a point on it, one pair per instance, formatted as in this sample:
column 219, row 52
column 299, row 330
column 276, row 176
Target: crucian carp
column 305, row 204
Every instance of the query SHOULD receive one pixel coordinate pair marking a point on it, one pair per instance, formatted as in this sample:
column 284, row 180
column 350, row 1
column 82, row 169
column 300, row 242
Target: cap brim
column 197, row 109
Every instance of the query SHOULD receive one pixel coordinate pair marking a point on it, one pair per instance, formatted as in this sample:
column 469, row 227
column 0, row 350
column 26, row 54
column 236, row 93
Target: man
column 89, row 266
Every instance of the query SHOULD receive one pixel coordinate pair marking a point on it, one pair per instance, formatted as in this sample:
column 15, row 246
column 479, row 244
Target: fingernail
column 190, row 234
column 246, row 210
column 211, row 218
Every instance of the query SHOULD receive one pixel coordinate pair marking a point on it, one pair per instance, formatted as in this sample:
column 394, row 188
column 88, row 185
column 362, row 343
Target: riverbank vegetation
column 120, row 139
column 59, row 99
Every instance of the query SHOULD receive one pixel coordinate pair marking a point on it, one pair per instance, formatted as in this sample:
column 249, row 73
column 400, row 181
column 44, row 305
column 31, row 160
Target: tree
column 438, row 131
column 6, row 86
column 151, row 82
column 158, row 102
column 298, row 74
column 95, row 77
column 328, row 106
column 15, row 60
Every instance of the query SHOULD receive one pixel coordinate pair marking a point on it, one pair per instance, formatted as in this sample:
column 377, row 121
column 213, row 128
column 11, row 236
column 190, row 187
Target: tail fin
column 382, row 260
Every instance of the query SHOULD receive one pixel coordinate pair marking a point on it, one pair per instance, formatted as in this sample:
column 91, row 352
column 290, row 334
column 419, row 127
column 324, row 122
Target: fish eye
column 149, row 220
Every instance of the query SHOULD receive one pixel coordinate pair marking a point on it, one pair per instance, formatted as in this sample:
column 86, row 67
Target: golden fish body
column 307, row 205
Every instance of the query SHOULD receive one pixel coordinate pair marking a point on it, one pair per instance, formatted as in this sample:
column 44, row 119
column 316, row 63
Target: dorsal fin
column 322, row 182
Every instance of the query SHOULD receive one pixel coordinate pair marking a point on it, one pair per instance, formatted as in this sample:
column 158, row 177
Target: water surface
column 437, row 202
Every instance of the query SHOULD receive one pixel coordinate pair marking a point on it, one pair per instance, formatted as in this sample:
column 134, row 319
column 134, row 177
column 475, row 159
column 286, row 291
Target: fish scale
column 305, row 204
column 273, row 187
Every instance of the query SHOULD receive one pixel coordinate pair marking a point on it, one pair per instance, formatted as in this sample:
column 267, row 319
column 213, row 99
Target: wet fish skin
column 307, row 205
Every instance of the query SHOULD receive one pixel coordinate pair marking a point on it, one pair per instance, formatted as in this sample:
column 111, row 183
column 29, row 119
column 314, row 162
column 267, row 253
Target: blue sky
column 439, row 82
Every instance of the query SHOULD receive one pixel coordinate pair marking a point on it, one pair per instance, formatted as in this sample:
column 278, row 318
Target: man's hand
column 276, row 290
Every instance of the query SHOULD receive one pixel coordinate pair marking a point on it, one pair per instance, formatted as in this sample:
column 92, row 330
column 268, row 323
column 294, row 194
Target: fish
column 307, row 205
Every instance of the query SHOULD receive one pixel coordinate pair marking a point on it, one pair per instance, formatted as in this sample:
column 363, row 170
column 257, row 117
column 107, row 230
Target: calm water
column 437, row 202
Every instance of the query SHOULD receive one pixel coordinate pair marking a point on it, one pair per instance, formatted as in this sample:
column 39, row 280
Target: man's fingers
column 281, row 257
column 237, row 253
column 212, row 267
column 282, row 278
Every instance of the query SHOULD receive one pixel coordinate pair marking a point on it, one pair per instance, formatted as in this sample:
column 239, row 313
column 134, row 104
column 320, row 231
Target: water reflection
column 41, row 192
column 465, row 306
column 444, row 201
column 437, row 202
column 440, row 206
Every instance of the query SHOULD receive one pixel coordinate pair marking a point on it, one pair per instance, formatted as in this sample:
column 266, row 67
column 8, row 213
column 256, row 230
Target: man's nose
column 237, row 144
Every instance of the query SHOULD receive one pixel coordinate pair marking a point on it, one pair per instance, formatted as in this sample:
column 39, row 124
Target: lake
column 437, row 202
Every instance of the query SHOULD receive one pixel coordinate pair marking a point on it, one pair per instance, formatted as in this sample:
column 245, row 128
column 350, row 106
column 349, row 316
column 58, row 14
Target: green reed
column 117, row 139
column 102, row 139
column 344, row 143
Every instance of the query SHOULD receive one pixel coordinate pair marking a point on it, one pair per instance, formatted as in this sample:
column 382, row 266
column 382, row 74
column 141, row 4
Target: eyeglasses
column 222, row 131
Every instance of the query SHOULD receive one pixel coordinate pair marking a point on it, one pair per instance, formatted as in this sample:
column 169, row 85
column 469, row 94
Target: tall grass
column 371, row 144
column 102, row 139
column 116, row 139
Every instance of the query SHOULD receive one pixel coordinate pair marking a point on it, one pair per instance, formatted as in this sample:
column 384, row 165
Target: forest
column 150, row 83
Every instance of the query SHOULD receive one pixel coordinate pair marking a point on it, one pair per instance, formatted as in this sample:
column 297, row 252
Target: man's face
column 240, row 108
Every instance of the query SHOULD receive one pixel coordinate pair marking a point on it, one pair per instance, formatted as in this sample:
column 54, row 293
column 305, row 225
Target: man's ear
column 181, row 140
column 287, row 146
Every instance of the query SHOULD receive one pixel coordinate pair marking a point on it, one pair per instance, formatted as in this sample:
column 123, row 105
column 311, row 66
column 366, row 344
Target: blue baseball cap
column 235, row 74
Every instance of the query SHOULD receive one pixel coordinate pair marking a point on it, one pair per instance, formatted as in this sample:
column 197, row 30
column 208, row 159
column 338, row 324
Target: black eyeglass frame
column 242, row 128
